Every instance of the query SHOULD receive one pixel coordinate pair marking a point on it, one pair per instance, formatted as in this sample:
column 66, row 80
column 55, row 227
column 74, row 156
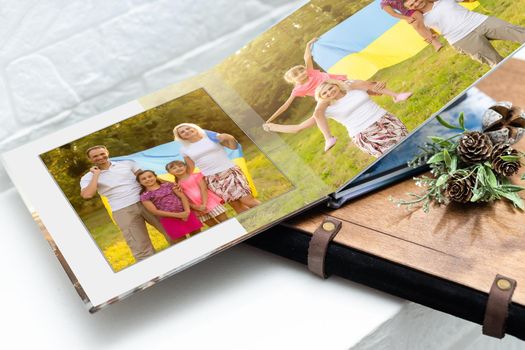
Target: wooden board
column 506, row 83
column 466, row 244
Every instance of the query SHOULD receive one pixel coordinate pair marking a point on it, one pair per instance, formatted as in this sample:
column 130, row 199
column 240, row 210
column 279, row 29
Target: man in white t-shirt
column 117, row 182
column 467, row 31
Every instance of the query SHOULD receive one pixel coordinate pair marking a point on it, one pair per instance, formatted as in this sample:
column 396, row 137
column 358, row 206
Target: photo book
column 327, row 105
column 449, row 256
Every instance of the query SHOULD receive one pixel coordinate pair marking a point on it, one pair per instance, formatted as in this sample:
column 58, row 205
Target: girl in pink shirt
column 204, row 202
column 306, row 79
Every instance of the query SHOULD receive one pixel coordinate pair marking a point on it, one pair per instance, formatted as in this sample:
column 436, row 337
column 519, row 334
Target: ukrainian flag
column 157, row 157
column 367, row 42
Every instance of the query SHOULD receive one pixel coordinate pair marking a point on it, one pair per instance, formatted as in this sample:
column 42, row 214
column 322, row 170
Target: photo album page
column 145, row 190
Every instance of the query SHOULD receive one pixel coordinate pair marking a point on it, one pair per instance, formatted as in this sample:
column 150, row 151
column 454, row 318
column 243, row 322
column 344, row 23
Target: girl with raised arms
column 306, row 79
column 371, row 128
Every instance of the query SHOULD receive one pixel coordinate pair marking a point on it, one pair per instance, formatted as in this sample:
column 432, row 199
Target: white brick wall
column 63, row 61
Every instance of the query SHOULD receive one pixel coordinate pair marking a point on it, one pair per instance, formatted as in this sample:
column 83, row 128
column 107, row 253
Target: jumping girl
column 371, row 128
column 306, row 79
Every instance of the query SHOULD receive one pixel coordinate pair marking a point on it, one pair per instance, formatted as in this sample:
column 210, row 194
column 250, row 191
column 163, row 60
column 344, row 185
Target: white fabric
column 356, row 111
column 210, row 157
column 452, row 20
column 118, row 184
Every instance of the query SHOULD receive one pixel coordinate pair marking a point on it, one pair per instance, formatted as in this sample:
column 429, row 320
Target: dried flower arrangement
column 473, row 166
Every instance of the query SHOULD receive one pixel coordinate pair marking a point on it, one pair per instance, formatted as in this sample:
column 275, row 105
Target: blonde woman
column 372, row 129
column 205, row 150
column 305, row 79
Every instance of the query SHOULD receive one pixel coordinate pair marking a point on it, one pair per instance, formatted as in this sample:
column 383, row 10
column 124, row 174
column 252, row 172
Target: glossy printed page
column 136, row 194
column 390, row 69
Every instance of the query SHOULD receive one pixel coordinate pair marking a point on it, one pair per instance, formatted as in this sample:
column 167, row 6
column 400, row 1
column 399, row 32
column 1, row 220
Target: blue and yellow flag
column 367, row 42
column 157, row 157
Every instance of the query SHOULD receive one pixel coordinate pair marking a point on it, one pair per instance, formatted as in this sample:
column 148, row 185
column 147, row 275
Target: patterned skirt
column 381, row 136
column 230, row 184
column 218, row 210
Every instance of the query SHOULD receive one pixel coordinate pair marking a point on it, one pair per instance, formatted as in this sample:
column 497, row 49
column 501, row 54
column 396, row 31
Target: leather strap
column 322, row 236
column 496, row 312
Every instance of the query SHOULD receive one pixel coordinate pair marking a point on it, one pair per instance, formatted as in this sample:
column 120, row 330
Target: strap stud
column 328, row 226
column 503, row 284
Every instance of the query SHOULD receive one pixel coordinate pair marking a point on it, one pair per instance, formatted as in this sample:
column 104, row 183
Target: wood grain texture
column 466, row 244
column 506, row 83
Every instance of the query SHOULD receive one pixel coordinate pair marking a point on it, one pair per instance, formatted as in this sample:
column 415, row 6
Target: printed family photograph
column 163, row 176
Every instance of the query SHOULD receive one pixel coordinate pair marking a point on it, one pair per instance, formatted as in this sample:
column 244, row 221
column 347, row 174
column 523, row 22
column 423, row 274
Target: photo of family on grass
column 368, row 86
column 202, row 177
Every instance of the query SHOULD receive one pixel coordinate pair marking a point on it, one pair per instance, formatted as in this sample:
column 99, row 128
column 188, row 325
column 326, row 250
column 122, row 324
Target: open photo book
column 449, row 257
column 288, row 122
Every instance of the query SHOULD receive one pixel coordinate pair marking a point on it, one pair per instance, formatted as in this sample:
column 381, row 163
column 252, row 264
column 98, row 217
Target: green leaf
column 453, row 163
column 505, row 181
column 441, row 180
column 480, row 178
column 440, row 141
column 462, row 120
column 512, row 188
column 510, row 158
column 445, row 123
column 436, row 158
column 446, row 158
column 523, row 177
column 437, row 139
column 477, row 194
column 492, row 181
column 515, row 199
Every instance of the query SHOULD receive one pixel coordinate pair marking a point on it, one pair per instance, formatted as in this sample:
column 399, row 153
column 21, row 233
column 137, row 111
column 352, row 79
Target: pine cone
column 504, row 123
column 503, row 167
column 459, row 188
column 474, row 147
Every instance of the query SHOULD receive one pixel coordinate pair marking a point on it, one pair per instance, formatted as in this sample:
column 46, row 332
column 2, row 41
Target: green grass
column 434, row 78
column 111, row 242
